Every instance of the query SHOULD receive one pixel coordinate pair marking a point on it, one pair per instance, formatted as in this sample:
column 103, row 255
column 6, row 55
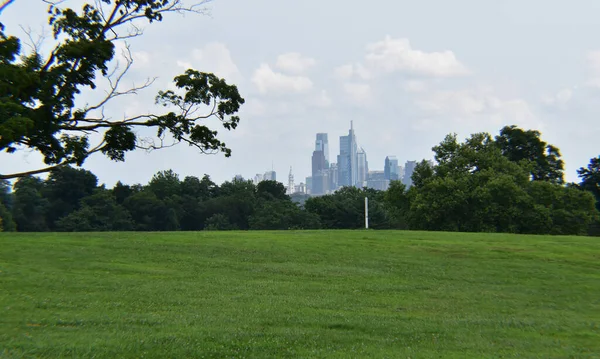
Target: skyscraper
column 320, row 165
column 391, row 168
column 291, row 188
column 270, row 176
column 322, row 144
column 333, row 177
column 362, row 168
column 347, row 168
column 408, row 171
column 320, row 173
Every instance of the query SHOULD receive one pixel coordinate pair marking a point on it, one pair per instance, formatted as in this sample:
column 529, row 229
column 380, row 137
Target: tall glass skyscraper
column 391, row 169
column 408, row 171
column 347, row 159
column 362, row 167
column 322, row 144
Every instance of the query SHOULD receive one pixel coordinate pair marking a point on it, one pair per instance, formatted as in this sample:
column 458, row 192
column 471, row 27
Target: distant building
column 408, row 171
column 258, row 178
column 333, row 177
column 290, row 188
column 238, row 178
column 301, row 188
column 308, row 185
column 362, row 168
column 376, row 180
column 400, row 172
column 320, row 174
column 322, row 144
column 391, row 169
column 346, row 161
column 270, row 176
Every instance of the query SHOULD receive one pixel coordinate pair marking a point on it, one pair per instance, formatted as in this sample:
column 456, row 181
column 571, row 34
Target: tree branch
column 4, row 4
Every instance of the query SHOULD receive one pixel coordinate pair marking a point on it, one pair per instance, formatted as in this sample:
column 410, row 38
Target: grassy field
column 340, row 294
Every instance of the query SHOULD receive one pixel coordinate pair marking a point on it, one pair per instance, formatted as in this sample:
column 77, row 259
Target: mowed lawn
column 340, row 294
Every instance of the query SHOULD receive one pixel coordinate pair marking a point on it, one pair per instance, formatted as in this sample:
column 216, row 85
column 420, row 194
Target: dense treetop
column 478, row 185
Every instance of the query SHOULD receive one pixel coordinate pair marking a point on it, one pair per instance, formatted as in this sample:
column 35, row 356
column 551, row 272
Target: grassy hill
column 341, row 294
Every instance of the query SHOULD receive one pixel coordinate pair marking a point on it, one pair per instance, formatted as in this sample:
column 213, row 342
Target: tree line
column 511, row 183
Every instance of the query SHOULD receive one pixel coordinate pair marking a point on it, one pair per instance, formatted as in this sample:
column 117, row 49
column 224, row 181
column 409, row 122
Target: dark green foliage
column 6, row 200
column 271, row 190
column 64, row 189
column 99, row 212
column 422, row 174
column 475, row 186
column 6, row 221
column 507, row 185
column 542, row 159
column 282, row 214
column 219, row 222
column 149, row 213
column 590, row 179
column 38, row 95
column 30, row 206
column 346, row 209
column 165, row 184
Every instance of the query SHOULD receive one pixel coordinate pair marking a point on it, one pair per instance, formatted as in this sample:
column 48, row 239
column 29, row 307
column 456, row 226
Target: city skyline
column 351, row 169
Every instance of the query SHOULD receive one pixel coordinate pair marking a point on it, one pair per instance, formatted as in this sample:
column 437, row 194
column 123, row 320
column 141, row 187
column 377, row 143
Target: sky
column 406, row 73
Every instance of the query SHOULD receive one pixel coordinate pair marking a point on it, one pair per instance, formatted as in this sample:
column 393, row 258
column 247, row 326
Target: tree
column 271, row 190
column 98, row 212
column 544, row 159
column 64, row 189
column 6, row 221
column 6, row 198
column 345, row 209
column 29, row 210
column 397, row 204
column 422, row 173
column 590, row 179
column 38, row 94
column 150, row 213
column 165, row 184
column 5, row 194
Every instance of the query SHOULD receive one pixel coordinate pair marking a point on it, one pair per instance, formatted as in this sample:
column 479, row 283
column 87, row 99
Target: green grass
column 340, row 294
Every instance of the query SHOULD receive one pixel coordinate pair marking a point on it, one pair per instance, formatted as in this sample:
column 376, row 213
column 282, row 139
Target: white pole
column 366, row 212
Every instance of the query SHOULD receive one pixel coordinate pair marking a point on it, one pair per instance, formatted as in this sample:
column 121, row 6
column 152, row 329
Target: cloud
column 561, row 99
column 359, row 93
column 415, row 86
column 213, row 57
column 479, row 109
column 397, row 55
column 343, row 72
column 323, row 100
column 269, row 81
column 593, row 62
column 294, row 62
column 392, row 55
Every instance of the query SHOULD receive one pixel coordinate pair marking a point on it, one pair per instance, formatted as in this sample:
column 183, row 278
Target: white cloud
column 593, row 61
column 214, row 57
column 479, row 109
column 343, row 72
column 269, row 81
column 359, row 93
column 323, row 100
column 561, row 99
column 294, row 62
column 415, row 86
column 393, row 55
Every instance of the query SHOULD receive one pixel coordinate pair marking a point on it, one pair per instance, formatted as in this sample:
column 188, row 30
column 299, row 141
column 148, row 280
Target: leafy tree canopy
column 38, row 93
